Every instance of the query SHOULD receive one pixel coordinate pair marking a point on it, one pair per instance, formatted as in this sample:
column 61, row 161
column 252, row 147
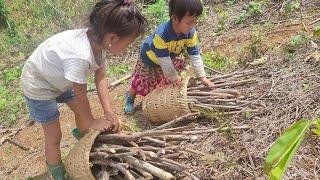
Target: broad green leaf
column 284, row 148
column 278, row 171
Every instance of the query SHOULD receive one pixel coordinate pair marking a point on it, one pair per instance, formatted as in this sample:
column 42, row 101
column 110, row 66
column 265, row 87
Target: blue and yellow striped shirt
column 166, row 43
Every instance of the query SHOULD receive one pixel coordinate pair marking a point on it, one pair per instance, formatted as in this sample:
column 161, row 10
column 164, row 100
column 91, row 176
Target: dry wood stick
column 177, row 137
column 157, row 149
column 171, row 156
column 135, row 174
column 11, row 141
column 116, row 83
column 175, row 121
column 106, row 149
column 252, row 164
column 167, row 166
column 104, row 174
column 144, row 173
column 221, row 106
column 313, row 22
column 141, row 152
column 113, row 164
column 173, row 162
column 119, row 136
column 215, row 129
column 101, row 154
column 209, row 94
column 157, row 141
column 131, row 137
column 237, row 112
column 179, row 129
column 213, row 70
column 149, row 168
column 202, row 106
column 236, row 83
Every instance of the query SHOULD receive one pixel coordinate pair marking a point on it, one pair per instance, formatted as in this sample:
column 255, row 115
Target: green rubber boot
column 57, row 172
column 77, row 134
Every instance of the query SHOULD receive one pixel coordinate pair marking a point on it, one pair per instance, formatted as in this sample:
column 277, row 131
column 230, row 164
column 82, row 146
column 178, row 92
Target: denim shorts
column 46, row 111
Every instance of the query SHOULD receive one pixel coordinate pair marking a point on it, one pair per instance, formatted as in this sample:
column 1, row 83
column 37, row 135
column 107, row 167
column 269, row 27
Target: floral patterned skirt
column 146, row 78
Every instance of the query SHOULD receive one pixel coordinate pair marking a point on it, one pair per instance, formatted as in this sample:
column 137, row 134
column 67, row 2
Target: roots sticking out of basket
column 224, row 99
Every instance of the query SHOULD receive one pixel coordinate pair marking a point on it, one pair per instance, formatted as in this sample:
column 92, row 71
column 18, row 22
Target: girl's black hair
column 121, row 17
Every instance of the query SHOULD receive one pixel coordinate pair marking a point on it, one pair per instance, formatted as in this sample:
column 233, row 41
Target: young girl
column 58, row 70
column 159, row 62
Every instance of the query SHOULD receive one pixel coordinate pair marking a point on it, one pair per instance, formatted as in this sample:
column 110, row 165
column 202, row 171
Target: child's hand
column 162, row 84
column 205, row 81
column 101, row 124
column 176, row 81
column 116, row 123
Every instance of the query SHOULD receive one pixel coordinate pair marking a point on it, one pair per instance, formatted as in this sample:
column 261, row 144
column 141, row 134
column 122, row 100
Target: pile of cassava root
column 145, row 155
column 152, row 154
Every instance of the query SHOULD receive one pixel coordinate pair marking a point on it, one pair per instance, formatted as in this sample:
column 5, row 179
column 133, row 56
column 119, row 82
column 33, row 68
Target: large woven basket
column 163, row 105
column 77, row 162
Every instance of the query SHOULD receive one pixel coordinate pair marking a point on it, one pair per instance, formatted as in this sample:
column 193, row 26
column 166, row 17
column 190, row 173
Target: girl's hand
column 101, row 124
column 116, row 123
column 205, row 81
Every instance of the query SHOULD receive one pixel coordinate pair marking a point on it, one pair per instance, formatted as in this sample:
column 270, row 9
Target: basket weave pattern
column 163, row 105
column 77, row 162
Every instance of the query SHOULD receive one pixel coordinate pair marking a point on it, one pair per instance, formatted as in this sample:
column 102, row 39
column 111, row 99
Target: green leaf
column 316, row 32
column 296, row 5
column 317, row 130
column 284, row 148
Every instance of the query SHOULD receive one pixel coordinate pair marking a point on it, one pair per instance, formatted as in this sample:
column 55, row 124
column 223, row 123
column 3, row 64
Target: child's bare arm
column 197, row 63
column 103, row 93
column 82, row 106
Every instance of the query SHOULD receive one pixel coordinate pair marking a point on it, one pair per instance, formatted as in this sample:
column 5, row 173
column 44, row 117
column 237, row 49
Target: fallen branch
column 149, row 168
column 212, row 70
column 116, row 83
column 178, row 120
column 215, row 130
column 110, row 163
column 16, row 143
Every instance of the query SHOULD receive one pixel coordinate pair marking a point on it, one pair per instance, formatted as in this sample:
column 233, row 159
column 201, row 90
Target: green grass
column 217, row 60
column 24, row 25
column 158, row 12
column 252, row 9
column 40, row 20
column 118, row 70
column 133, row 125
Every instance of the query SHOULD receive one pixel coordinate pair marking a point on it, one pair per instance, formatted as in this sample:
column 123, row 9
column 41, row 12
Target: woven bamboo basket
column 77, row 162
column 163, row 105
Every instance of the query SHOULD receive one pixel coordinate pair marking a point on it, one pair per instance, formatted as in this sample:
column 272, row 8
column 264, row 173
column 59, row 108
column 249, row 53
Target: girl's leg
column 52, row 136
column 82, row 126
column 133, row 93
